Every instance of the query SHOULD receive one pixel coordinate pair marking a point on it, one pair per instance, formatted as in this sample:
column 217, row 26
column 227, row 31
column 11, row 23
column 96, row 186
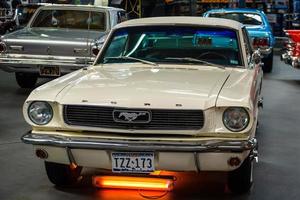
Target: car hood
column 139, row 85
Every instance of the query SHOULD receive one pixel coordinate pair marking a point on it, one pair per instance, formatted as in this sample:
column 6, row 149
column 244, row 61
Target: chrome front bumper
column 120, row 145
column 31, row 63
column 208, row 155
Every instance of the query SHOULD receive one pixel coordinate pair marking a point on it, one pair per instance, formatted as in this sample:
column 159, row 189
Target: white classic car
column 167, row 93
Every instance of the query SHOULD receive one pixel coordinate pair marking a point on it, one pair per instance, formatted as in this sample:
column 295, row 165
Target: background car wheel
column 240, row 180
column 62, row 175
column 26, row 80
column 268, row 63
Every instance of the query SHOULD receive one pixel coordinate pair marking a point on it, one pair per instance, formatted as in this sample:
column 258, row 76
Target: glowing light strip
column 125, row 182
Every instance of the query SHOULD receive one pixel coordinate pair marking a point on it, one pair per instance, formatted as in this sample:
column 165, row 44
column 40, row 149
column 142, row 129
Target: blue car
column 258, row 29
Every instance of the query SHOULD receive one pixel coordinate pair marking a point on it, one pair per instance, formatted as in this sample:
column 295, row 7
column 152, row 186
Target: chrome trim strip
column 122, row 145
column 45, row 59
column 16, row 47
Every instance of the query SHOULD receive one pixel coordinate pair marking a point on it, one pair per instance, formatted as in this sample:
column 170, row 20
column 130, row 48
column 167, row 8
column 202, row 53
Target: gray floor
column 277, row 175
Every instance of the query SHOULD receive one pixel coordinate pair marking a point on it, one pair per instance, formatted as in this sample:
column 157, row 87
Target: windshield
column 173, row 44
column 71, row 19
column 244, row 18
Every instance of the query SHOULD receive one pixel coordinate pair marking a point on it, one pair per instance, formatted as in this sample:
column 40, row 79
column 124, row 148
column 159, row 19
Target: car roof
column 227, row 23
column 81, row 6
column 238, row 10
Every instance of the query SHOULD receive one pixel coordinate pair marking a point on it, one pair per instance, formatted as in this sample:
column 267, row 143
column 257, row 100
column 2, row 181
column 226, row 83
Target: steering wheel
column 212, row 54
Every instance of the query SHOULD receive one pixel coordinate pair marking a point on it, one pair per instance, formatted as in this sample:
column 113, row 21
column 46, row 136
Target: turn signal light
column 41, row 153
column 125, row 182
column 234, row 162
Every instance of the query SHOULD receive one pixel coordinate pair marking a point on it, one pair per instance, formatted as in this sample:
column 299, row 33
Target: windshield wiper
column 188, row 59
column 131, row 58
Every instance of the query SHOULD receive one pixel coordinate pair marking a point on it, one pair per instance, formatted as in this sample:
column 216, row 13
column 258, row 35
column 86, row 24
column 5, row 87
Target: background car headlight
column 40, row 112
column 236, row 118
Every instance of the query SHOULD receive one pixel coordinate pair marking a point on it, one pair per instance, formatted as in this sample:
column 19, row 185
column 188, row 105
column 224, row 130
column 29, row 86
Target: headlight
column 40, row 112
column 236, row 119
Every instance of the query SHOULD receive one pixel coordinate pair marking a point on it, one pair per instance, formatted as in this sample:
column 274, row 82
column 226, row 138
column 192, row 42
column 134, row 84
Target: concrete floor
column 277, row 175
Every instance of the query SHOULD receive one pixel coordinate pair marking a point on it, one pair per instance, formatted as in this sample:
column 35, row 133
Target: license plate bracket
column 132, row 162
column 49, row 71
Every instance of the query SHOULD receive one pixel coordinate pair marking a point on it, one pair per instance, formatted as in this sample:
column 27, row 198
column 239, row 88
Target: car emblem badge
column 128, row 116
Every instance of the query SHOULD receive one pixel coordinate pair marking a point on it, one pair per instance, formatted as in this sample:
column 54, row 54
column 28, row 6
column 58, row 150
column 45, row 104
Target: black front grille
column 162, row 119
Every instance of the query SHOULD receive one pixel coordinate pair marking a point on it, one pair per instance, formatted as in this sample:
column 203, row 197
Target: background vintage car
column 178, row 113
column 258, row 27
column 291, row 54
column 58, row 39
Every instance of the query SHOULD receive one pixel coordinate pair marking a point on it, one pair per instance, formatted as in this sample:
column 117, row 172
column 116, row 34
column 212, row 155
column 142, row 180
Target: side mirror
column 95, row 50
column 256, row 57
column 98, row 44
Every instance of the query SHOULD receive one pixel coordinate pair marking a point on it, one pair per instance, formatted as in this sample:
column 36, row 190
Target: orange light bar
column 125, row 182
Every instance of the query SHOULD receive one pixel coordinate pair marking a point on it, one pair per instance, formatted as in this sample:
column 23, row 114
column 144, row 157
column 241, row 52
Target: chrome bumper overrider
column 290, row 60
column 265, row 51
column 121, row 145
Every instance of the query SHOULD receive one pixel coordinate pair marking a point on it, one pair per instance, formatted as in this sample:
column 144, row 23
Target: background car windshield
column 25, row 13
column 72, row 19
column 171, row 44
column 244, row 18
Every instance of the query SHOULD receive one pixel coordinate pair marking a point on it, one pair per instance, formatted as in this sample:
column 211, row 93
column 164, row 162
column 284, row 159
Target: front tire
column 268, row 63
column 62, row 175
column 240, row 180
column 26, row 80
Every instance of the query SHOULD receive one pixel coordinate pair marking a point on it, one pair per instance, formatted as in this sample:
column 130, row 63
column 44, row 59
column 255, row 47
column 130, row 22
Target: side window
column 121, row 17
column 247, row 45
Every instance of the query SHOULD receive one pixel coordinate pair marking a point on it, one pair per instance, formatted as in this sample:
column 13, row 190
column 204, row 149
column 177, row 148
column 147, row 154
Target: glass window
column 71, row 19
column 25, row 13
column 121, row 16
column 244, row 18
column 169, row 44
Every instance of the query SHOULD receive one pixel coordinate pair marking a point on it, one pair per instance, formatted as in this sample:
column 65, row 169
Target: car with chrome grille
column 165, row 93
column 57, row 40
column 258, row 27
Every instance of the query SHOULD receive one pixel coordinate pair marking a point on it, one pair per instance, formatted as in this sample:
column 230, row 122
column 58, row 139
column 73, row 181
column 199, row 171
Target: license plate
column 132, row 162
column 49, row 71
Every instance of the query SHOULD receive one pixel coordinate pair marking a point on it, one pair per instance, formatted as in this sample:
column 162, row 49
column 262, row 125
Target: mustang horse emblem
column 131, row 116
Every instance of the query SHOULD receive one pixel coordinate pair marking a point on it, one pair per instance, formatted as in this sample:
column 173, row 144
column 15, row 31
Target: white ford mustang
column 167, row 93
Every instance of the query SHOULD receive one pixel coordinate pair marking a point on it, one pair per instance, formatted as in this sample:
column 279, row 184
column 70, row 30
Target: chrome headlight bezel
column 243, row 115
column 43, row 105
